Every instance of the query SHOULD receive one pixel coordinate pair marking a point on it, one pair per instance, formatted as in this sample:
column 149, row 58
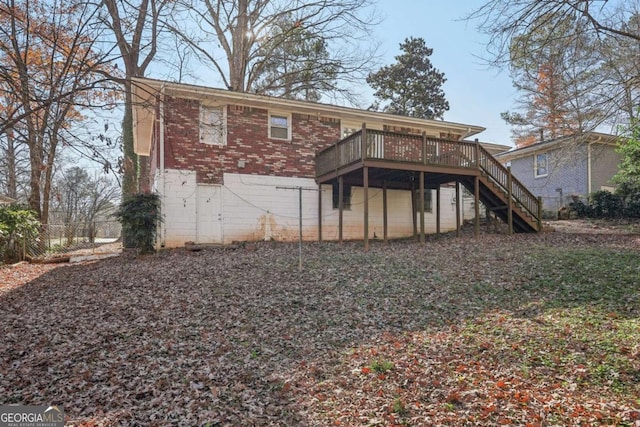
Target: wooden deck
column 371, row 158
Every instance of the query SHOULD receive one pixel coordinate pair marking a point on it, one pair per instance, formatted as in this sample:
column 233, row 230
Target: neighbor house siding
column 566, row 171
column 604, row 165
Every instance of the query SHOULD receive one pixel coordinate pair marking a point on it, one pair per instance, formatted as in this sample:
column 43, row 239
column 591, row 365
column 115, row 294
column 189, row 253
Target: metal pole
column 509, row 200
column 300, row 228
column 365, row 177
column 421, row 204
column 457, row 208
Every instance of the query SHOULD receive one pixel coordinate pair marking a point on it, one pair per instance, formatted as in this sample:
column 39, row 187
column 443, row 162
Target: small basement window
column 346, row 196
column 428, row 203
column 279, row 126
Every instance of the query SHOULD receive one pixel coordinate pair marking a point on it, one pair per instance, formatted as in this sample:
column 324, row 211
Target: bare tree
column 238, row 39
column 79, row 198
column 559, row 85
column 136, row 27
column 589, row 49
column 49, row 69
column 503, row 20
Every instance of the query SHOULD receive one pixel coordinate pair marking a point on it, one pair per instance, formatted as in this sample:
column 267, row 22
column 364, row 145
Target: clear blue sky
column 476, row 94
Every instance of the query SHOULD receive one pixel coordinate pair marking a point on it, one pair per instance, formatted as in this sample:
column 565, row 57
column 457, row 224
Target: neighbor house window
column 280, row 126
column 346, row 196
column 213, row 125
column 541, row 165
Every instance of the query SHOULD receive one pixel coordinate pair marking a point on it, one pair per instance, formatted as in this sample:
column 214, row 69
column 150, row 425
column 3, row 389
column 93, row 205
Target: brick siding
column 249, row 150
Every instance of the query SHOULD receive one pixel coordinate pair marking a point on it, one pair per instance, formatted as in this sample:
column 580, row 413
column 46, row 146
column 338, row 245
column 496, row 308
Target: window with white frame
column 541, row 166
column 213, row 125
column 279, row 126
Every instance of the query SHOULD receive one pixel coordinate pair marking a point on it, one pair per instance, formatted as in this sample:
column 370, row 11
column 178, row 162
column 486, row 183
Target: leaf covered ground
column 539, row 330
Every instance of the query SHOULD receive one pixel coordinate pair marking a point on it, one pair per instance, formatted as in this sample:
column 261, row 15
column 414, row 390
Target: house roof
column 145, row 92
column 586, row 137
column 494, row 148
column 5, row 200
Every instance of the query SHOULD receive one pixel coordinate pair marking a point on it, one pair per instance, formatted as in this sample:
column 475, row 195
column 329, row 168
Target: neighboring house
column 233, row 166
column 495, row 149
column 4, row 200
column 564, row 167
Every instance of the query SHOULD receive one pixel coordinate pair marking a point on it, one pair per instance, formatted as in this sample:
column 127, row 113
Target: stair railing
column 500, row 175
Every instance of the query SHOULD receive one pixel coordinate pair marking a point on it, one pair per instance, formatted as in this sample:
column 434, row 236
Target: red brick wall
column 247, row 140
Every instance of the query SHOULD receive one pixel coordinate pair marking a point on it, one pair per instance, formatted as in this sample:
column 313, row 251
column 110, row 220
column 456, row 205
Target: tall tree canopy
column 504, row 20
column 296, row 63
column 50, row 69
column 412, row 86
column 574, row 61
column 629, row 150
column 560, row 86
column 136, row 28
column 321, row 42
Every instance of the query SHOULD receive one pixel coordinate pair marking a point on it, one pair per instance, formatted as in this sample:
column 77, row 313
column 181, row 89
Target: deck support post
column 458, row 209
column 365, row 189
column 509, row 200
column 385, row 223
column 319, row 212
column 340, row 206
column 438, row 211
column 476, row 204
column 414, row 210
column 421, row 204
column 539, row 213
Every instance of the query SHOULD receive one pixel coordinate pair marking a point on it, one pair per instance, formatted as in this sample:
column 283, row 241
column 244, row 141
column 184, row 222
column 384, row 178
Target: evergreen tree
column 412, row 86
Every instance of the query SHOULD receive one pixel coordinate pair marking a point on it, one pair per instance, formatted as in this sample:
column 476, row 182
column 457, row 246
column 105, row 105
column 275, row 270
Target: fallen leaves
column 521, row 330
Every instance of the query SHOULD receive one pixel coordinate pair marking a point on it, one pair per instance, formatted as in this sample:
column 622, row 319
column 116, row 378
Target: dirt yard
column 536, row 330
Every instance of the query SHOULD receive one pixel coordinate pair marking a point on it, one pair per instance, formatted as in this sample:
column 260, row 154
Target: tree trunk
column 12, row 186
column 237, row 62
column 48, row 177
column 36, row 176
column 130, row 159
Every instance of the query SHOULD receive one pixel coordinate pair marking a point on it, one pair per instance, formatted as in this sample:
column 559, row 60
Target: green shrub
column 632, row 205
column 139, row 215
column 582, row 209
column 630, row 193
column 606, row 204
column 19, row 227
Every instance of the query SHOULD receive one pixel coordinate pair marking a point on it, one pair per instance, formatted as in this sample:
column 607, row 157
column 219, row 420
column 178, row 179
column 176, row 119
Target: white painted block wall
column 178, row 207
column 263, row 208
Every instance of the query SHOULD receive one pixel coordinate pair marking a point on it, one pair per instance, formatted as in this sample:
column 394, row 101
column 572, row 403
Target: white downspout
column 162, row 177
column 589, row 167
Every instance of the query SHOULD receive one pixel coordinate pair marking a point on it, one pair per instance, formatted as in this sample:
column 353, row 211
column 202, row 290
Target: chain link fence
column 65, row 238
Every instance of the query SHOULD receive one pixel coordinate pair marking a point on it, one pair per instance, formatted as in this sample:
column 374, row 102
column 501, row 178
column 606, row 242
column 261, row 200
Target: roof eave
column 145, row 91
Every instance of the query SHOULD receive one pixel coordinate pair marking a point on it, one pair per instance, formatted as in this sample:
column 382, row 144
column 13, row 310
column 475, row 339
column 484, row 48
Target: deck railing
column 500, row 175
column 405, row 148
column 395, row 147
